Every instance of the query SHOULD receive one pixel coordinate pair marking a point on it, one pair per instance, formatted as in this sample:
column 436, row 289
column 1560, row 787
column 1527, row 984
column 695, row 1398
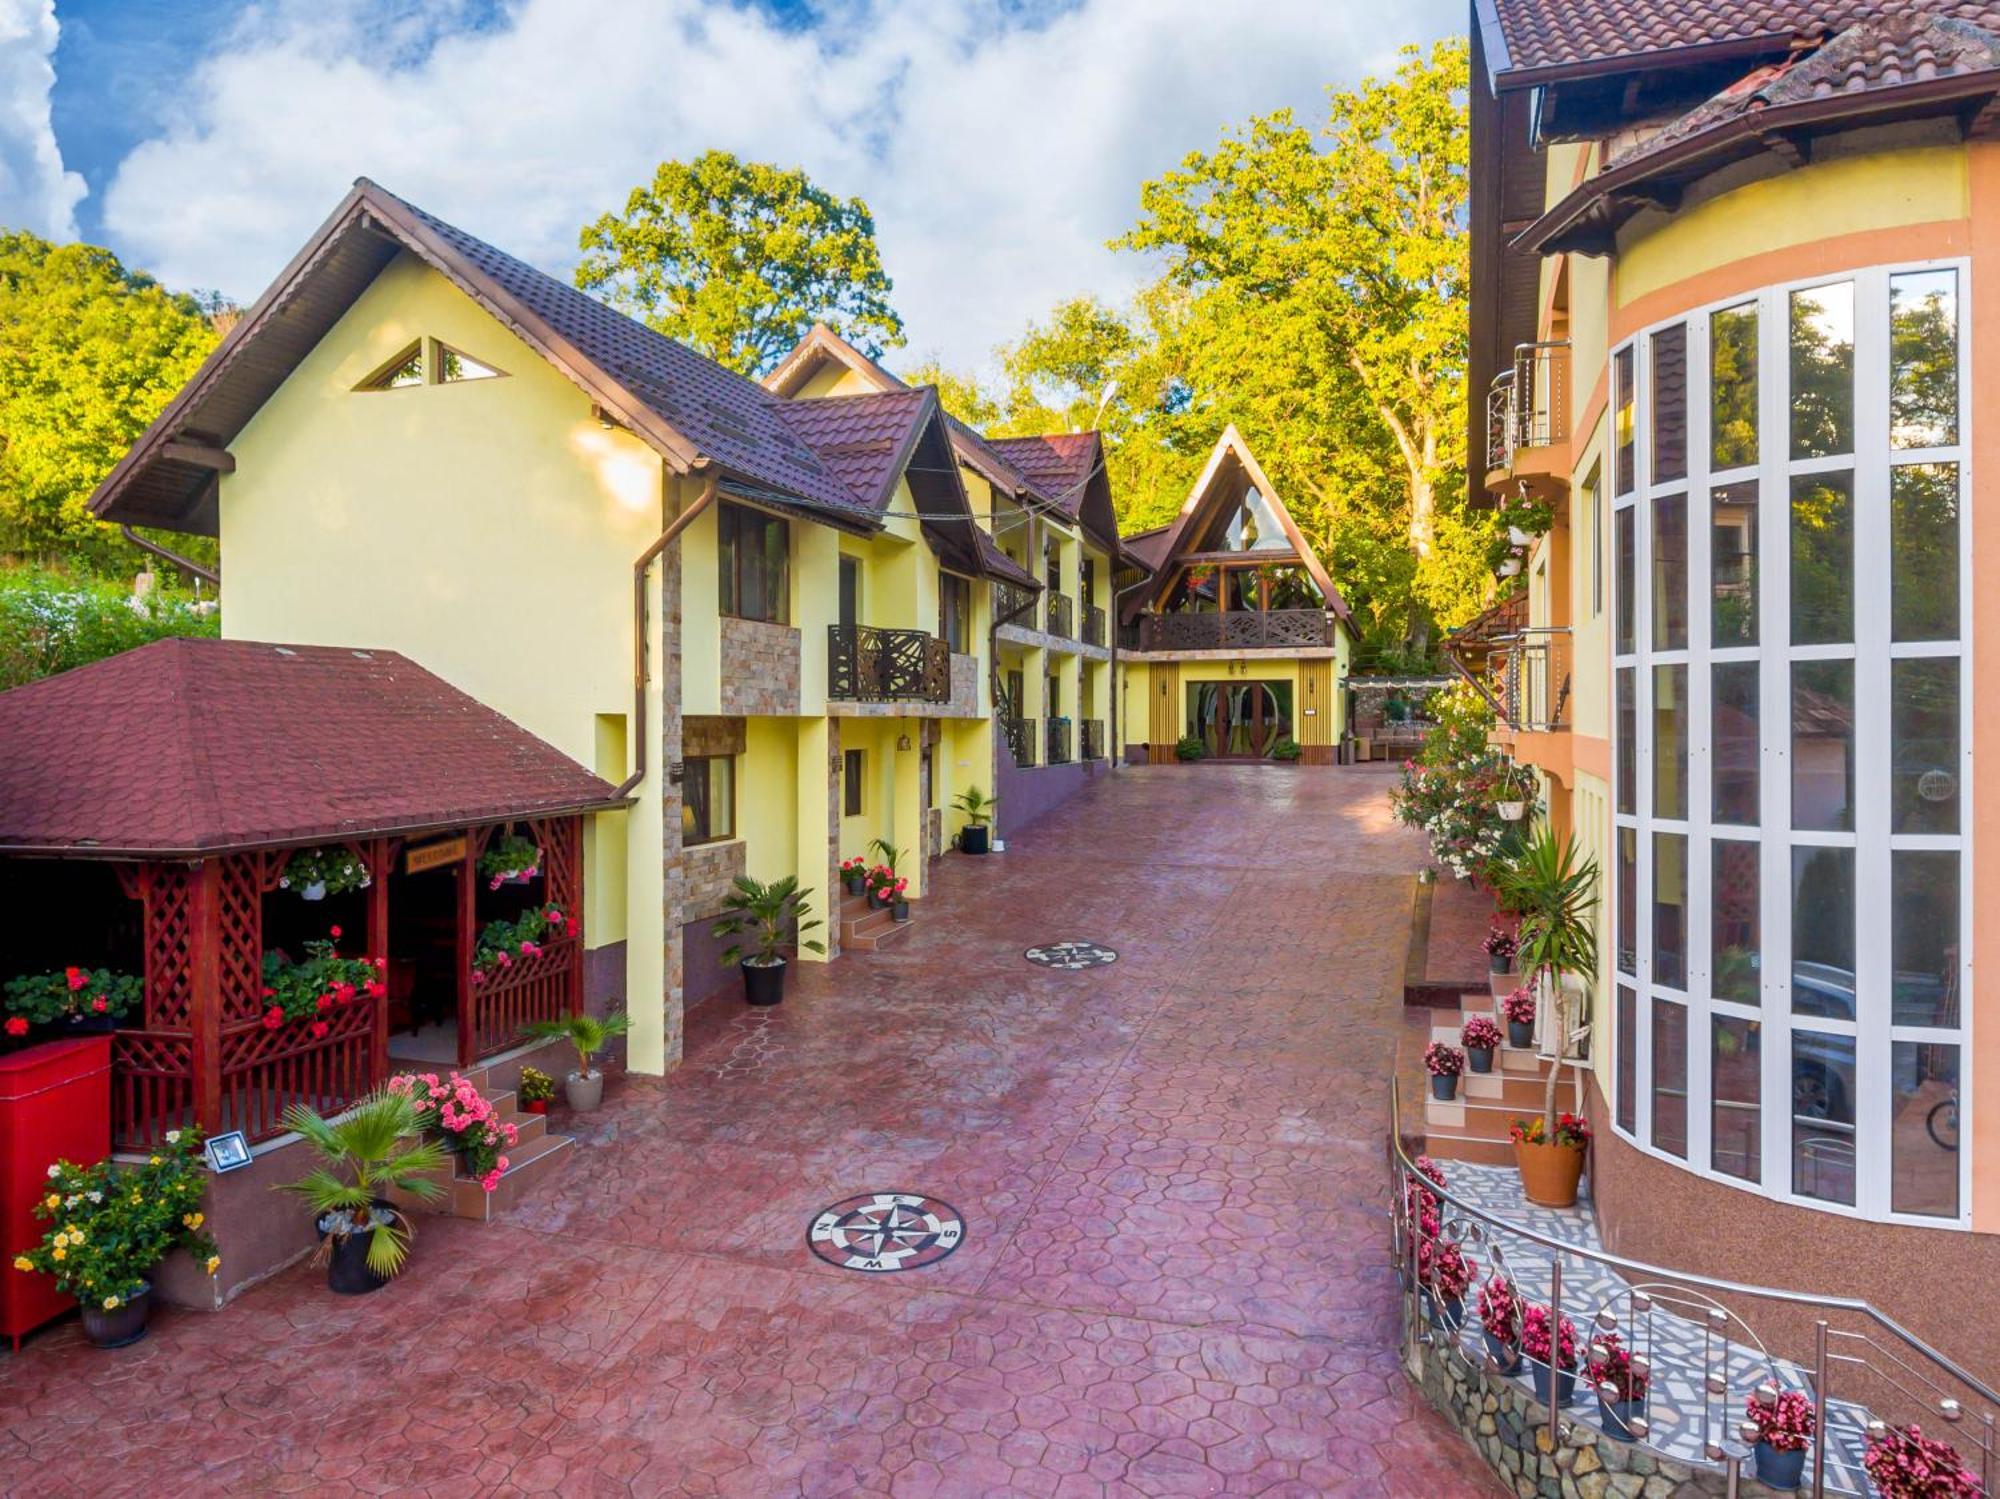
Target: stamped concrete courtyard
column 1173, row 1277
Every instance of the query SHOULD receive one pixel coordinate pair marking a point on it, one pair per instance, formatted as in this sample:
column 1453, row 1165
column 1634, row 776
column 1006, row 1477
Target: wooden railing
column 152, row 1086
column 869, row 665
column 265, row 1072
column 1236, row 629
column 544, row 987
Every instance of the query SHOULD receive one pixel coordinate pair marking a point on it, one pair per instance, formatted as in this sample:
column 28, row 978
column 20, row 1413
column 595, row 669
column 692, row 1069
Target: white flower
column 173, row 1137
column 95, row 1196
column 54, row 1172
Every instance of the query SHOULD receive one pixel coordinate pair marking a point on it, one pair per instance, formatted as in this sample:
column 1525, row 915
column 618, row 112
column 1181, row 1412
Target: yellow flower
column 192, row 1220
column 111, row 1303
column 22, row 1262
column 214, row 1261
column 154, row 1161
column 52, row 1201
column 58, row 1253
column 136, row 1197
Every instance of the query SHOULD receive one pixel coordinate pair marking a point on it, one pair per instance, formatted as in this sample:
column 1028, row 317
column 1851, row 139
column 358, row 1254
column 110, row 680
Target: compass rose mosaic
column 1072, row 955
column 882, row 1232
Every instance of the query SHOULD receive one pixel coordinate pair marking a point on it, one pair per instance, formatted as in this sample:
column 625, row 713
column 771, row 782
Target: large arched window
column 1791, row 746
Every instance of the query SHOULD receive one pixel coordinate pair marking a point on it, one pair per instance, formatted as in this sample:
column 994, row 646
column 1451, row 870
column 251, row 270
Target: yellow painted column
column 650, row 1048
column 906, row 812
column 818, row 792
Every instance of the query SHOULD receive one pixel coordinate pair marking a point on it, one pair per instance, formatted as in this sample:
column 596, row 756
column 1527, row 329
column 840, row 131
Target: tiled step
column 529, row 1164
column 879, row 937
column 864, row 928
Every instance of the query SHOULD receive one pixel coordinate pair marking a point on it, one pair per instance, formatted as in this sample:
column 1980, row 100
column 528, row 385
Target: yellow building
column 1725, row 320
column 769, row 620
column 1237, row 642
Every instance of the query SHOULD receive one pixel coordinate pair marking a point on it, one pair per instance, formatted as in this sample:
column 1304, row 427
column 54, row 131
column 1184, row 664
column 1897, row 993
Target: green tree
column 961, row 394
column 90, row 351
column 738, row 259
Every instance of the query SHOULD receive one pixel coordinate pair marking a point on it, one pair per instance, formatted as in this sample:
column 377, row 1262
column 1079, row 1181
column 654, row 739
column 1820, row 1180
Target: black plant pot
column 1501, row 964
column 1481, row 1058
column 973, row 840
column 1444, row 1086
column 1505, row 1358
column 347, row 1272
column 1618, row 1416
column 900, row 911
column 1446, row 1312
column 121, row 1324
column 1780, row 1470
column 763, row 983
column 1520, row 1033
column 854, row 885
column 876, row 902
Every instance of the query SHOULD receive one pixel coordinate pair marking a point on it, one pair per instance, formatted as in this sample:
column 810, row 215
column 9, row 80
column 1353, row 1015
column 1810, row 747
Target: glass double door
column 1240, row 720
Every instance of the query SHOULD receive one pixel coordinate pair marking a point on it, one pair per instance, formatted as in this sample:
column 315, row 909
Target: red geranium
column 1906, row 1464
column 17, row 1025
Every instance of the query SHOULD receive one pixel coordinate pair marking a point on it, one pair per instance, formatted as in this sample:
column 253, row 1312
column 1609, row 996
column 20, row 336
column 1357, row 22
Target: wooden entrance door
column 1240, row 720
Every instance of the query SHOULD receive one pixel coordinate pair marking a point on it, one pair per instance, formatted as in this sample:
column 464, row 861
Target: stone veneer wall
column 712, row 870
column 1510, row 1428
column 760, row 668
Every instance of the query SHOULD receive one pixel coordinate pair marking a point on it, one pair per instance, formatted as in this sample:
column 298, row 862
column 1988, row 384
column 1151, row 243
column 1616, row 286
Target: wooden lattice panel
column 561, row 843
column 241, row 913
column 152, row 1087
column 169, row 943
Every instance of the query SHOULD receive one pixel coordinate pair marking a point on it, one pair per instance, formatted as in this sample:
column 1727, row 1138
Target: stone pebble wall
column 760, row 668
column 1510, row 1428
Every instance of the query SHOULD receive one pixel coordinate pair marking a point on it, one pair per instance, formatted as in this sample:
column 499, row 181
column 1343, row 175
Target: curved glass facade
column 1791, row 748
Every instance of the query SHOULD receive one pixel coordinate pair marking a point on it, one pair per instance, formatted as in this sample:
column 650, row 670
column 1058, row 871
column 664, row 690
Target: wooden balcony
column 1243, row 629
column 869, row 665
column 1013, row 604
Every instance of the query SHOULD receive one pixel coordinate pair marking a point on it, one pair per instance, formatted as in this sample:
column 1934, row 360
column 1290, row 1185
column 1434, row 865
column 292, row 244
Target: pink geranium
column 1906, row 1464
column 1535, row 1337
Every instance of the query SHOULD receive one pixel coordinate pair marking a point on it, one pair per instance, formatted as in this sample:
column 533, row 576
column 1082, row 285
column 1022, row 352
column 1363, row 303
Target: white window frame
column 1872, row 652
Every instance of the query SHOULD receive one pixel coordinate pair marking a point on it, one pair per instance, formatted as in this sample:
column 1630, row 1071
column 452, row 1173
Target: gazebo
column 193, row 771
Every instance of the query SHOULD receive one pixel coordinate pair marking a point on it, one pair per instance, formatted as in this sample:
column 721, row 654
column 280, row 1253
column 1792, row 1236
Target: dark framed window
column 708, row 800
column 955, row 611
column 756, row 556
column 851, row 767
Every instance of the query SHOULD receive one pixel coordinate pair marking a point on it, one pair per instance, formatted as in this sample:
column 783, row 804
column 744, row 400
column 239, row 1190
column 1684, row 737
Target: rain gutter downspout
column 639, row 569
column 186, row 564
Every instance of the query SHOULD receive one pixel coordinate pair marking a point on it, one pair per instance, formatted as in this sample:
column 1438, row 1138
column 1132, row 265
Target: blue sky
column 999, row 142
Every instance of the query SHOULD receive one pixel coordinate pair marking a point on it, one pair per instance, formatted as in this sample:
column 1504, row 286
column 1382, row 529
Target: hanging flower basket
column 1513, row 811
column 316, row 873
column 512, row 860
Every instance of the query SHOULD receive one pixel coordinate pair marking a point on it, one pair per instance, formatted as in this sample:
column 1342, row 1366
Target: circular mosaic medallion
column 1072, row 955
column 882, row 1232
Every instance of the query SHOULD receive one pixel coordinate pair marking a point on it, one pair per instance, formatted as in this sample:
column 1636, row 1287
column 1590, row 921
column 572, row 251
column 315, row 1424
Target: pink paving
column 1174, row 1278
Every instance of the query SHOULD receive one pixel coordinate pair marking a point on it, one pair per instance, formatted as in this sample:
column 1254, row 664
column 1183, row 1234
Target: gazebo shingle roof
column 189, row 747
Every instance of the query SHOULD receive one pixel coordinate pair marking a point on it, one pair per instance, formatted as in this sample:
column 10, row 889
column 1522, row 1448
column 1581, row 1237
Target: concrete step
column 878, row 937
column 528, row 1164
column 1449, row 1145
column 861, row 925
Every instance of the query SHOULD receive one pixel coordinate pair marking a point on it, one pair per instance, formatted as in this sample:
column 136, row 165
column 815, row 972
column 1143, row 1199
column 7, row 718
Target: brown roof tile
column 1055, row 465
column 190, row 746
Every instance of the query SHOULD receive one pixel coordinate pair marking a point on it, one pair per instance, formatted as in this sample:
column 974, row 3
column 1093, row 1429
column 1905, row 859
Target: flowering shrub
column 1519, row 1007
column 1535, row 1337
column 1480, row 1033
column 112, row 1225
column 1443, row 1269
column 886, row 885
column 1420, row 1203
column 325, row 981
column 1441, row 1060
column 466, row 1118
column 536, row 1086
column 73, row 994
column 1785, row 1425
column 1906, row 1464
column 1571, row 1129
column 333, row 866
column 851, row 867
column 510, row 858
column 501, row 942
column 1610, row 1363
column 1500, row 943
column 1500, row 1308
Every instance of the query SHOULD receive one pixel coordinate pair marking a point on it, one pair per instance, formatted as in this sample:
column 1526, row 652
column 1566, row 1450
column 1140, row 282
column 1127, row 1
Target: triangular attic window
column 453, row 366
column 406, row 369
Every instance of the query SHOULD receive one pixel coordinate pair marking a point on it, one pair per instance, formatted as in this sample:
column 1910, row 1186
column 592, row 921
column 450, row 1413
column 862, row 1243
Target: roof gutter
column 709, row 489
column 186, row 564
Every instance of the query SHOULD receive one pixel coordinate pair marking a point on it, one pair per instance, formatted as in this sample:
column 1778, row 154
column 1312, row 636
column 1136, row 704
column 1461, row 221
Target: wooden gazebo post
column 381, row 857
column 204, row 961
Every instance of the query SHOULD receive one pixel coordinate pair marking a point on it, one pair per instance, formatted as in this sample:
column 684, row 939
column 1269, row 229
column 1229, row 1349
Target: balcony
column 868, row 665
column 1020, row 734
column 1241, row 629
column 1094, row 626
column 1059, row 741
column 1529, row 679
column 1091, row 739
column 1013, row 604
column 1527, row 420
column 1062, row 616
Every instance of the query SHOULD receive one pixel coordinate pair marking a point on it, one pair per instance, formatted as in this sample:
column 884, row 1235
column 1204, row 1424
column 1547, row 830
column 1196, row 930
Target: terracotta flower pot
column 1549, row 1173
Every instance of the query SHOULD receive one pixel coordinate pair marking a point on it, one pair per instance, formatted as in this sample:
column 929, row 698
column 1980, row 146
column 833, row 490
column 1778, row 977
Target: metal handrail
column 1527, row 406
column 1642, row 1274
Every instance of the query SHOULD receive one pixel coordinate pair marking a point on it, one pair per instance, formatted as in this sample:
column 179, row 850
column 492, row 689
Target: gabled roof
column 1887, row 68
column 1231, row 457
column 1528, row 41
column 1067, row 468
column 190, row 747
column 693, row 412
column 1148, row 548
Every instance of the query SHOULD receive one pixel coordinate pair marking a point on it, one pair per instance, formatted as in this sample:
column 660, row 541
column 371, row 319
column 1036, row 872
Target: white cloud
column 35, row 192
column 998, row 152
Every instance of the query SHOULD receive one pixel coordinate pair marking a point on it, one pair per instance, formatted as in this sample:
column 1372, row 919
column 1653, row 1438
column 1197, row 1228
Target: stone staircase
column 1474, row 1127
column 538, row 1157
column 863, row 929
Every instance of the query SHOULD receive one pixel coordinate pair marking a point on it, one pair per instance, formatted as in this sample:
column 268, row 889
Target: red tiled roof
column 1561, row 34
column 864, row 440
column 999, row 565
column 185, row 747
column 1056, row 465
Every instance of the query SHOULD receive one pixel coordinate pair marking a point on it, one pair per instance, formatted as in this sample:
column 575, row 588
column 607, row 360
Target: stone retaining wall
column 1510, row 1428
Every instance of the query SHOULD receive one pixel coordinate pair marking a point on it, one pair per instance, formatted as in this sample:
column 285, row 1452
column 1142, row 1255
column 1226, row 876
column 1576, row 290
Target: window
column 1593, row 487
column 955, row 611
column 1788, row 880
column 852, row 765
column 708, row 800
column 755, row 551
column 453, row 367
column 400, row 373
column 428, row 362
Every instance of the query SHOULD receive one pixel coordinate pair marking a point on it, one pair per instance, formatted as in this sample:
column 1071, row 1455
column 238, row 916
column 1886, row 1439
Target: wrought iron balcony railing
column 868, row 665
column 1091, row 739
column 1013, row 604
column 1235, row 630
column 1093, row 626
column 1059, row 741
column 1062, row 616
column 1020, row 734
column 1528, row 406
column 1529, row 678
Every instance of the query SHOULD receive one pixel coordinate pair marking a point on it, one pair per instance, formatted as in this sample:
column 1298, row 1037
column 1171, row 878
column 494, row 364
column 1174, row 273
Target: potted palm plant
column 1554, row 887
column 761, row 917
column 977, row 807
column 375, row 1148
column 584, row 1088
